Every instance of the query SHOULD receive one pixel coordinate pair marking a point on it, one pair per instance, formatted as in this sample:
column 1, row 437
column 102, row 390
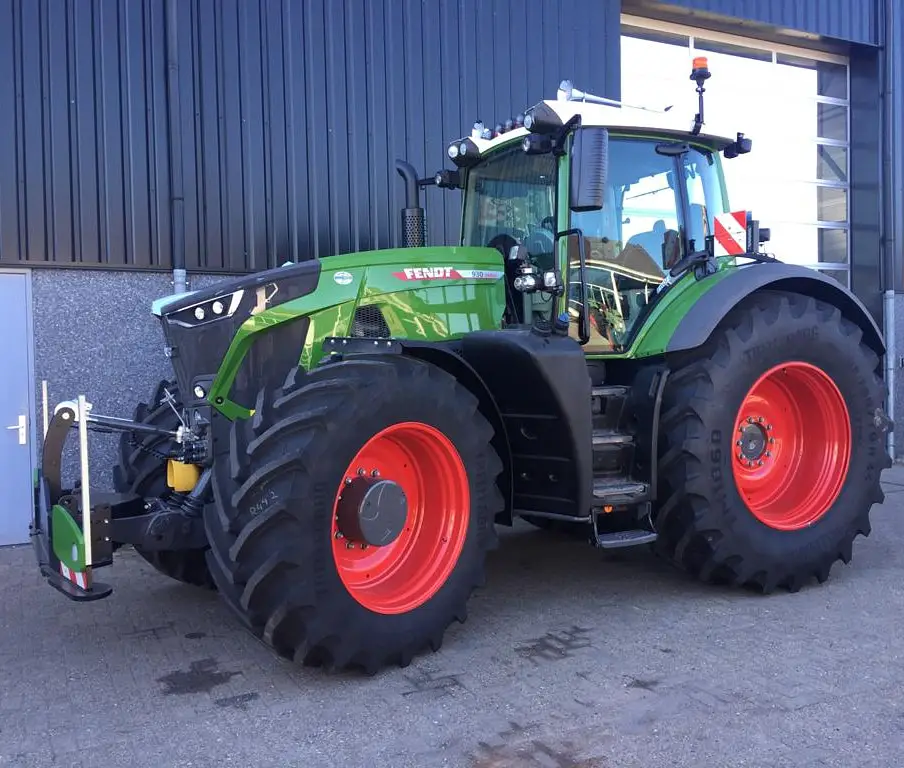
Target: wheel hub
column 752, row 442
column 371, row 511
column 755, row 437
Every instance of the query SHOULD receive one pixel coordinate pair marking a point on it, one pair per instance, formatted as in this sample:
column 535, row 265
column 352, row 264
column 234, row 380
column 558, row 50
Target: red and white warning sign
column 79, row 578
column 447, row 273
column 730, row 234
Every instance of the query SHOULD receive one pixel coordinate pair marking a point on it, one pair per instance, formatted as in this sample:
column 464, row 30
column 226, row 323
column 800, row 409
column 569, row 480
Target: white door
column 15, row 415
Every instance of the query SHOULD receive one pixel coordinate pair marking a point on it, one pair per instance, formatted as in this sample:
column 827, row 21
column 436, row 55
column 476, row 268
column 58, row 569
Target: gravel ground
column 571, row 658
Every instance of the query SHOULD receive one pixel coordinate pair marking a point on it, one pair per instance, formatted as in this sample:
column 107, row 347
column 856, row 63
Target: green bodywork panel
column 440, row 304
column 68, row 542
column 654, row 334
column 421, row 292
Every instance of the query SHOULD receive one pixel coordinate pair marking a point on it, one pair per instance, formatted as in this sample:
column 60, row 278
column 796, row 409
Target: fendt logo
column 447, row 273
column 427, row 273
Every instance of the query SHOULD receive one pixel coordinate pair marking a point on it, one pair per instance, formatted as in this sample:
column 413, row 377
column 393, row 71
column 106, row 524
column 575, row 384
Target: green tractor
column 608, row 350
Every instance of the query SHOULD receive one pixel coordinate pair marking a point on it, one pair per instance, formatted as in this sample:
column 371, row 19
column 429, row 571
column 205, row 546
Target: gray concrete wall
column 94, row 335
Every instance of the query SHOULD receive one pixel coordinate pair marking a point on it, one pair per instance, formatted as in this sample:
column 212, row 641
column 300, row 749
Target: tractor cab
column 596, row 207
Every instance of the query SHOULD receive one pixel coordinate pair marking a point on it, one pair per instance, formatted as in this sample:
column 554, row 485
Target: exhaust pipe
column 414, row 223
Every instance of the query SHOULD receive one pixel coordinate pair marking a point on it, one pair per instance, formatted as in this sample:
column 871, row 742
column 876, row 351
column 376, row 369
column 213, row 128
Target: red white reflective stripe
column 447, row 273
column 79, row 578
column 730, row 234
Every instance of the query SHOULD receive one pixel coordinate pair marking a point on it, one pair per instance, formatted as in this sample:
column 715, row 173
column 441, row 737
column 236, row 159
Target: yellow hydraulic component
column 181, row 477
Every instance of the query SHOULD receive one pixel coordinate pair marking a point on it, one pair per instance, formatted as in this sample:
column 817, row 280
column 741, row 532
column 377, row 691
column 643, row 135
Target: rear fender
column 707, row 312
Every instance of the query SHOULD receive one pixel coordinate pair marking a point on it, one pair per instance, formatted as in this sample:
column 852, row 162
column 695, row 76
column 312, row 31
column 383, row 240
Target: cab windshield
column 510, row 198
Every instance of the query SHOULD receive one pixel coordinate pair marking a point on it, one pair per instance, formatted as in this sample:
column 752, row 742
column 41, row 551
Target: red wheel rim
column 404, row 574
column 792, row 446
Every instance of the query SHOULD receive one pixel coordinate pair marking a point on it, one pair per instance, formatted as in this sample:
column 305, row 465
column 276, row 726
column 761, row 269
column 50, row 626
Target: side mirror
column 589, row 167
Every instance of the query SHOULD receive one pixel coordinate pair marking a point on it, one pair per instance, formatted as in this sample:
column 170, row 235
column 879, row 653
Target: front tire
column 771, row 446
column 286, row 544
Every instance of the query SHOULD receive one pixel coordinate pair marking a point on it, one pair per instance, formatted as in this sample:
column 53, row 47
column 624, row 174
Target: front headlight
column 209, row 311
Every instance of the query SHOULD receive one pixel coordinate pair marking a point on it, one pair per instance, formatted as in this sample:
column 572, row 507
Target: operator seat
column 650, row 242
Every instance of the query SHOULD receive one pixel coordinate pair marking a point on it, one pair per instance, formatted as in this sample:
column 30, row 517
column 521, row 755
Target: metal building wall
column 854, row 21
column 891, row 65
column 292, row 113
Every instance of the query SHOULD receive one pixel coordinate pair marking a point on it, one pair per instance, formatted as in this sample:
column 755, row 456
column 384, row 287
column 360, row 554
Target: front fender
column 710, row 308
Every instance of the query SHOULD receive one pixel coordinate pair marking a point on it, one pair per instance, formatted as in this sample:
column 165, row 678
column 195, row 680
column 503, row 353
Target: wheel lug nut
column 338, row 534
column 740, row 442
column 375, row 473
column 360, row 471
column 348, row 481
column 760, row 463
column 768, row 454
column 364, row 546
column 769, row 426
column 349, row 545
column 750, row 419
column 771, row 439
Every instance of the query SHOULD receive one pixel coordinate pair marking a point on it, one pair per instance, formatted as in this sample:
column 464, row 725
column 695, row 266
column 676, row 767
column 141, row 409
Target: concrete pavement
column 571, row 658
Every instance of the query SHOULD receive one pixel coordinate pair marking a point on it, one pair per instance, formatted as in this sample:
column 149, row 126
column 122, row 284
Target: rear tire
column 728, row 519
column 144, row 474
column 273, row 529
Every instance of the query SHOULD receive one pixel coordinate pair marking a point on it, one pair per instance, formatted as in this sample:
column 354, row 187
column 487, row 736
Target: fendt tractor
column 608, row 350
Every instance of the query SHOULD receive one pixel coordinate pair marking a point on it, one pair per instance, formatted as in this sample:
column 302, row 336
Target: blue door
column 15, row 414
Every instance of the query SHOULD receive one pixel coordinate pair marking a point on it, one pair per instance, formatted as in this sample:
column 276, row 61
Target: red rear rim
column 792, row 446
column 405, row 573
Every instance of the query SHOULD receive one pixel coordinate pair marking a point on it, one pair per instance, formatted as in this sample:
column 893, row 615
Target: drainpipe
column 887, row 208
column 890, row 356
column 177, row 202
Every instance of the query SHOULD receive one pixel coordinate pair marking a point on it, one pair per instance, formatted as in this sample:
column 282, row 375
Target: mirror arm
column 558, row 145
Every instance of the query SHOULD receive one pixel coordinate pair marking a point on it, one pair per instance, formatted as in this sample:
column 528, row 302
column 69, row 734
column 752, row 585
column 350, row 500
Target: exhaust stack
column 414, row 222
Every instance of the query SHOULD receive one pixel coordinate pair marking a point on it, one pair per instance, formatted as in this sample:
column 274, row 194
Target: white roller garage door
column 792, row 102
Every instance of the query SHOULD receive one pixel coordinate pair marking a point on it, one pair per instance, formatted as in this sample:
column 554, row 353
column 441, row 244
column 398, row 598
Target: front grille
column 370, row 323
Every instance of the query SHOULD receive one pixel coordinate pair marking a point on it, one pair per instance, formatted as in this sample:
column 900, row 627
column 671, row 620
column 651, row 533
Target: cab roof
column 596, row 111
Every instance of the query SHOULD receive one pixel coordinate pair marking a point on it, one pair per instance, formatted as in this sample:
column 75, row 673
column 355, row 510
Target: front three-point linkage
column 77, row 529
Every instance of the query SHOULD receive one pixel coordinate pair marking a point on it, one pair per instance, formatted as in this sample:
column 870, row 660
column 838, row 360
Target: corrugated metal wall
column 292, row 114
column 892, row 22
column 853, row 21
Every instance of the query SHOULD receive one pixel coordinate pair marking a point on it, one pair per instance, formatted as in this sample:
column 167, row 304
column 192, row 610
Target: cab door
column 643, row 229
